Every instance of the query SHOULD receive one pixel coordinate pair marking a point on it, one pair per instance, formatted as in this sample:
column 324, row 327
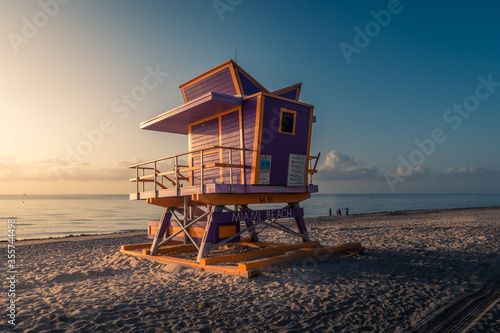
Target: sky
column 406, row 93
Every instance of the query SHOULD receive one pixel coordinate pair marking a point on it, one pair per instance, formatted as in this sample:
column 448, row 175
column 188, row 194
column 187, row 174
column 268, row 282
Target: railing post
column 231, row 168
column 156, row 191
column 242, row 158
column 143, row 183
column 137, row 180
column 186, row 220
column 176, row 169
column 201, row 173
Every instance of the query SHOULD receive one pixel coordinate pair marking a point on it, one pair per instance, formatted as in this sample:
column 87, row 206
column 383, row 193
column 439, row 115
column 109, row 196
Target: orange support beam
column 255, row 254
column 181, row 248
column 146, row 245
column 251, row 265
column 250, row 198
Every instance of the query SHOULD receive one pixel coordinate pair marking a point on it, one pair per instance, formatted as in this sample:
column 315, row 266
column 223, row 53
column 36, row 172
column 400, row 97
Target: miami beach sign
column 257, row 215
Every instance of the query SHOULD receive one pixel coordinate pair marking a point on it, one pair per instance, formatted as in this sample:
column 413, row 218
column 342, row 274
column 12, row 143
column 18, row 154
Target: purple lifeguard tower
column 247, row 146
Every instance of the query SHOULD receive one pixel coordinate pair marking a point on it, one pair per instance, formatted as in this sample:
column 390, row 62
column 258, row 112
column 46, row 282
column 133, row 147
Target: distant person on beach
column 347, row 211
column 330, row 212
column 339, row 212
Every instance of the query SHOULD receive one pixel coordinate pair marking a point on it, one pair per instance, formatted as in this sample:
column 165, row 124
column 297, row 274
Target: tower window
column 287, row 121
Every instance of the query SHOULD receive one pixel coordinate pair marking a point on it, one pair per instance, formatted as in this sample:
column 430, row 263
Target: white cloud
column 466, row 172
column 418, row 172
column 338, row 166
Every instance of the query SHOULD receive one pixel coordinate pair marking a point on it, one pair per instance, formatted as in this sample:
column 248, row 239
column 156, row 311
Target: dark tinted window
column 287, row 122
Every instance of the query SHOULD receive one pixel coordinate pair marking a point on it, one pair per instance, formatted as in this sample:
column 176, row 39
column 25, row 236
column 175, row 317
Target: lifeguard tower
column 247, row 146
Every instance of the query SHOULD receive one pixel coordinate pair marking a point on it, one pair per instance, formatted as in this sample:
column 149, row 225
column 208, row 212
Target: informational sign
column 296, row 170
column 264, row 169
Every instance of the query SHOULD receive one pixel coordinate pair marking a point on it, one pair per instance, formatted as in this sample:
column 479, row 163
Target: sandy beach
column 417, row 265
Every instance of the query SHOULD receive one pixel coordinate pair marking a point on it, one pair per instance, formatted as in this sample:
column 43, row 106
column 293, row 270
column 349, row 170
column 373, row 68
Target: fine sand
column 416, row 264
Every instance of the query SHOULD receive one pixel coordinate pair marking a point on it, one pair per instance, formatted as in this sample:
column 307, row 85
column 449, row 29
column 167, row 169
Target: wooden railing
column 177, row 174
column 311, row 170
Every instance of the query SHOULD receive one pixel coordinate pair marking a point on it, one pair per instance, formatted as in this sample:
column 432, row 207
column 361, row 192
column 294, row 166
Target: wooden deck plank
column 247, row 269
column 146, row 245
column 194, row 265
column 263, row 244
column 255, row 254
column 249, row 265
column 181, row 248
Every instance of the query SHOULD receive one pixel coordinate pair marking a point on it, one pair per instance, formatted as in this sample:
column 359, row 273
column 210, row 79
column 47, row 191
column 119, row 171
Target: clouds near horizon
column 418, row 172
column 56, row 169
column 339, row 166
column 467, row 172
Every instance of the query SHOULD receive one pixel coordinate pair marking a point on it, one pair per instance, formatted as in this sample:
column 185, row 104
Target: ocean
column 44, row 216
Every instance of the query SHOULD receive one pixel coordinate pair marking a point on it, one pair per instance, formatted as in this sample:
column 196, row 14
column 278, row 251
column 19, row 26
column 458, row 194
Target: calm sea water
column 43, row 216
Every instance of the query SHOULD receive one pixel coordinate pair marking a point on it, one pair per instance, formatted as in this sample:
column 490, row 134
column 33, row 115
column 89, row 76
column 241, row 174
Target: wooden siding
column 248, row 87
column 204, row 135
column 280, row 145
column 223, row 130
column 230, row 137
column 249, row 110
column 220, row 82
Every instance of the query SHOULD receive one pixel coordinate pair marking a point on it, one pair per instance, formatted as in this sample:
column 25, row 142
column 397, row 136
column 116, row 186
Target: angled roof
column 178, row 119
column 291, row 92
column 227, row 78
column 217, row 90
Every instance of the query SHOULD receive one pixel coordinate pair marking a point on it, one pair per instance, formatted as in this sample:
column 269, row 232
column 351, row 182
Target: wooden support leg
column 301, row 225
column 162, row 228
column 186, row 219
column 208, row 234
column 252, row 232
column 302, row 229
